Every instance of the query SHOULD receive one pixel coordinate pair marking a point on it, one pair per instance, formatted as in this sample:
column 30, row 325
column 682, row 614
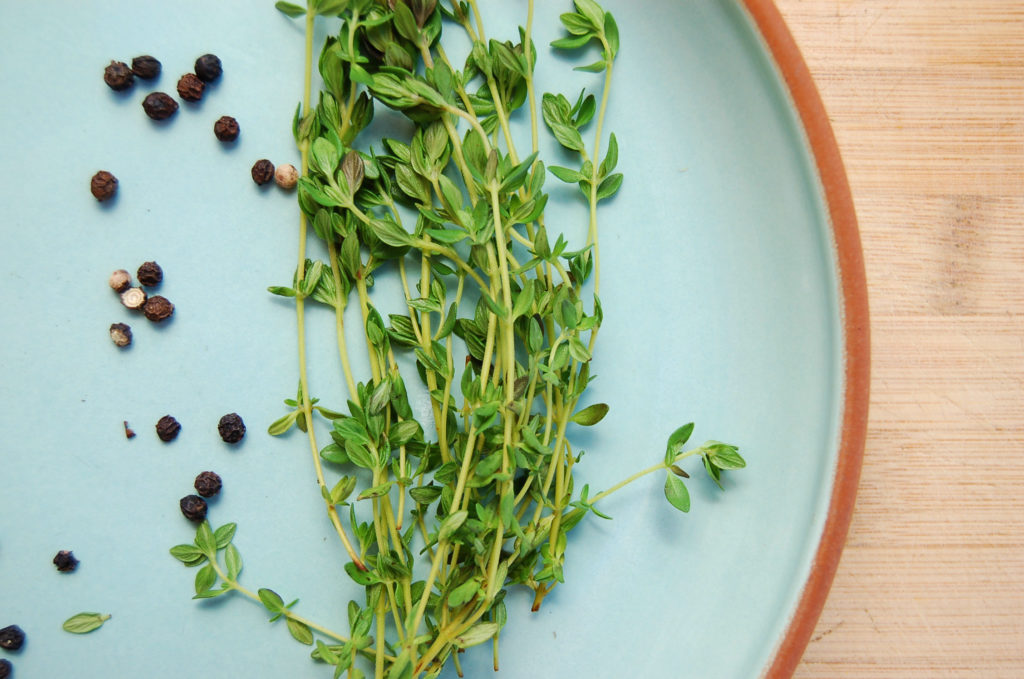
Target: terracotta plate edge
column 856, row 349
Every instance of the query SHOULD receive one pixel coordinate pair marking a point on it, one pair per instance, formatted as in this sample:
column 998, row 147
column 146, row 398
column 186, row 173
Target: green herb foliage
column 83, row 623
column 501, row 318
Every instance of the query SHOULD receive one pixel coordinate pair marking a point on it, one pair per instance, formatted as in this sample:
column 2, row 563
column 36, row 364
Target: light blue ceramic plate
column 722, row 303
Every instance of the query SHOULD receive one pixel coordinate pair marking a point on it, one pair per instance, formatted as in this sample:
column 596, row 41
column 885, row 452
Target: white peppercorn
column 133, row 298
column 286, row 176
column 120, row 280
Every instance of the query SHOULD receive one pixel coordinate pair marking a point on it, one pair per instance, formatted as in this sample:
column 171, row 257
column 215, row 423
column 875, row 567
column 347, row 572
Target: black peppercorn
column 262, row 171
column 190, row 87
column 65, row 561
column 208, row 484
column 226, row 128
column 145, row 67
column 208, row 68
column 231, row 428
column 11, row 638
column 103, row 185
column 159, row 106
column 5, row 669
column 118, row 76
column 120, row 334
column 193, row 507
column 167, row 428
column 150, row 274
column 158, row 308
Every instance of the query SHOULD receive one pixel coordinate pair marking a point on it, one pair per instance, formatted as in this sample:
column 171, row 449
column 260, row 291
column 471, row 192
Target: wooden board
column 927, row 101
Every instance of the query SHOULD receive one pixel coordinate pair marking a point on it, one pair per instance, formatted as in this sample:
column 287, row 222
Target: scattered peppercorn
column 120, row 280
column 208, row 484
column 118, row 76
column 129, row 433
column 190, row 87
column 133, row 298
column 5, row 669
column 262, row 171
column 159, row 106
column 145, row 67
column 193, row 507
column 158, row 308
column 150, row 274
column 167, row 428
column 103, row 185
column 208, row 68
column 226, row 128
column 286, row 176
column 11, row 638
column 65, row 561
column 231, row 428
column 120, row 334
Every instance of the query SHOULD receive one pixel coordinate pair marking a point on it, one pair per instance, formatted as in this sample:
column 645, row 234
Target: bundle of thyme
column 501, row 320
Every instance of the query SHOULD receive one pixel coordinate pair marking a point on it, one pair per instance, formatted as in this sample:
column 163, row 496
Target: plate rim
column 854, row 321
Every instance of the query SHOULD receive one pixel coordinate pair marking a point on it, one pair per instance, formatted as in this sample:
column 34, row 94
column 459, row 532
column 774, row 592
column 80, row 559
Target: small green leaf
column 376, row 491
column 595, row 67
column 591, row 10
column 300, row 631
column 675, row 491
column 205, row 578
column 83, row 623
column 224, row 534
column 233, row 561
column 611, row 158
column 271, row 600
column 187, row 553
column 477, row 634
column 565, row 174
column 452, row 523
column 726, row 457
column 405, row 22
column 676, row 442
column 283, row 424
column 402, row 667
column 611, row 34
column 205, row 540
column 590, row 415
column 281, row 290
column 289, row 9
column 463, row 593
column 609, row 186
column 213, row 593
column 342, row 489
column 567, row 135
column 572, row 42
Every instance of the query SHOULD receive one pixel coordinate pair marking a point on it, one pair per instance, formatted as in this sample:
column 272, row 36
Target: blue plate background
column 719, row 288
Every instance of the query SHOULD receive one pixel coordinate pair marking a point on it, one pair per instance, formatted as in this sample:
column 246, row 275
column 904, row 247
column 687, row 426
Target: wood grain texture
column 927, row 101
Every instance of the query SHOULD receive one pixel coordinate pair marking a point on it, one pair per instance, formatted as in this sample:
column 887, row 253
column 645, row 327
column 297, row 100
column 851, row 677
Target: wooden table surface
column 926, row 98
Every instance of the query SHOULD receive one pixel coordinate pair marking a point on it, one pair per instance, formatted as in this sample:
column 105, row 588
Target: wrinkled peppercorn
column 193, row 507
column 208, row 484
column 226, row 128
column 120, row 280
column 103, row 185
column 120, row 334
column 5, row 669
column 65, row 561
column 11, row 638
column 286, row 176
column 208, row 68
column 190, row 87
column 118, row 76
column 159, row 106
column 150, row 274
column 158, row 308
column 133, row 298
column 145, row 67
column 262, row 171
column 167, row 428
column 231, row 428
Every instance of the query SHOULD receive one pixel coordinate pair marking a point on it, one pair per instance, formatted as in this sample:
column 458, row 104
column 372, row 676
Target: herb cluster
column 501, row 319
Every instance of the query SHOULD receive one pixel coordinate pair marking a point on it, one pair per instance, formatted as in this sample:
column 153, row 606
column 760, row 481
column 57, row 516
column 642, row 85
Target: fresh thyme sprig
column 484, row 494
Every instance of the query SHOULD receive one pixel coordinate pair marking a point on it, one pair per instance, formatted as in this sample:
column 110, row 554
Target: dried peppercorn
column 5, row 669
column 262, row 171
column 145, row 67
column 11, row 638
column 208, row 68
column 231, row 428
column 129, row 433
column 167, row 428
column 133, row 298
column 208, row 484
column 226, row 128
column 286, row 176
column 118, row 76
column 65, row 561
column 120, row 280
column 158, row 308
column 190, row 87
column 150, row 274
column 120, row 334
column 193, row 507
column 103, row 185
column 159, row 106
